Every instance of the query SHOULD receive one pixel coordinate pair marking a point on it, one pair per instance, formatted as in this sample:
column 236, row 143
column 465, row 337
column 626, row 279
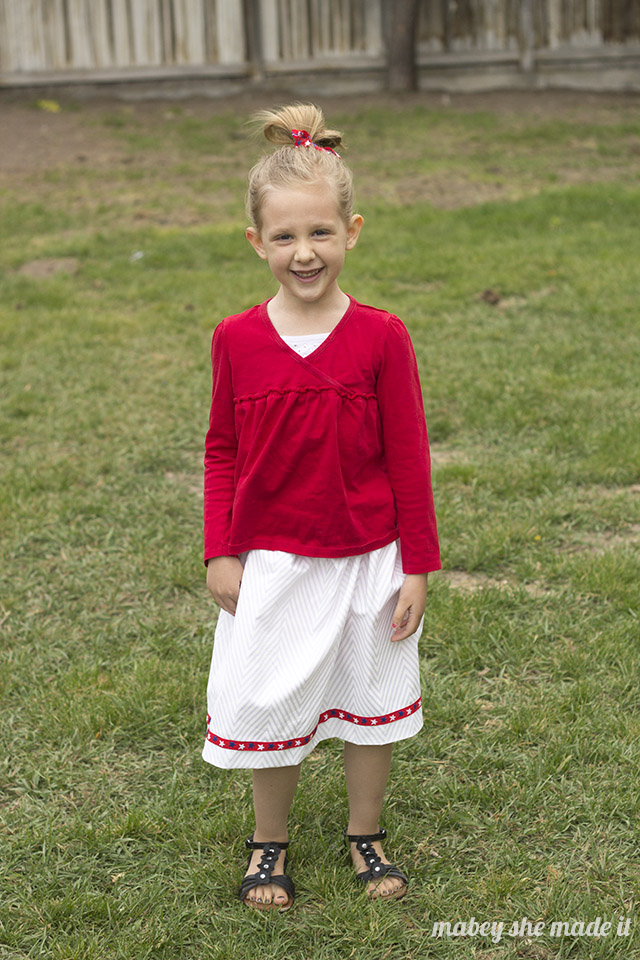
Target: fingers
column 224, row 579
column 229, row 602
column 226, row 601
column 410, row 607
column 406, row 620
column 405, row 626
column 225, row 596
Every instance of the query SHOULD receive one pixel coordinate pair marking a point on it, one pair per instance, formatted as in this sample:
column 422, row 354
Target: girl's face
column 304, row 239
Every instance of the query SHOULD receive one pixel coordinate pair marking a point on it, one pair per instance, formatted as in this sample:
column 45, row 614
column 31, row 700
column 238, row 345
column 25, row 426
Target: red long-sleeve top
column 325, row 455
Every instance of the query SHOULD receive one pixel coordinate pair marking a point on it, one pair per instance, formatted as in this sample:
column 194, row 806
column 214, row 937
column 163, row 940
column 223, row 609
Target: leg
column 273, row 792
column 367, row 771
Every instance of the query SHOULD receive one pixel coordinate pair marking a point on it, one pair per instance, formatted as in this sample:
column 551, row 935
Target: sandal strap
column 386, row 869
column 376, row 869
column 252, row 844
column 366, row 837
column 268, row 860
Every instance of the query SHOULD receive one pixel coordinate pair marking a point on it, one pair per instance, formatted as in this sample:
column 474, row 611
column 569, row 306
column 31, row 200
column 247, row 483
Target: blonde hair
column 291, row 164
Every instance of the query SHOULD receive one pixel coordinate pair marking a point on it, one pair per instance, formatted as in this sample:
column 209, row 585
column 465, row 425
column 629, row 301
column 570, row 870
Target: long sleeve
column 220, row 453
column 406, row 448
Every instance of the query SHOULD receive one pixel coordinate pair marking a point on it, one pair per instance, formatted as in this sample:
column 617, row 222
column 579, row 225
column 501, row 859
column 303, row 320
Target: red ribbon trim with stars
column 266, row 745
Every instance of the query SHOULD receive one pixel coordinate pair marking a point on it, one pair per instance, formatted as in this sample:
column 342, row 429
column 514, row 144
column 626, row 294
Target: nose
column 304, row 251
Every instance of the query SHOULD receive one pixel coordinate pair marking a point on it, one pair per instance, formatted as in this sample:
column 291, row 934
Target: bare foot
column 388, row 888
column 271, row 896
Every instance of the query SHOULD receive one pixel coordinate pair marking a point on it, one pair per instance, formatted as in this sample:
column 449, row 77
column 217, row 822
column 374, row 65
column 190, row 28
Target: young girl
column 319, row 524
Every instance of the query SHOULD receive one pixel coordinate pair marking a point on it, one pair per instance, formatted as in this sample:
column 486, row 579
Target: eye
column 322, row 232
column 283, row 236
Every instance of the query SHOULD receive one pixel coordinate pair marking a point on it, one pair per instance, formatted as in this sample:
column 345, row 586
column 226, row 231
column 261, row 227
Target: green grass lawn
column 519, row 798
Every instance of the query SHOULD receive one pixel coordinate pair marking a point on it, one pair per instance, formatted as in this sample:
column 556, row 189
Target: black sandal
column 376, row 869
column 271, row 852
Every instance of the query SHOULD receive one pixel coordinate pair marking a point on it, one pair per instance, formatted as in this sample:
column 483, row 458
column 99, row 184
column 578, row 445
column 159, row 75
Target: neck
column 319, row 313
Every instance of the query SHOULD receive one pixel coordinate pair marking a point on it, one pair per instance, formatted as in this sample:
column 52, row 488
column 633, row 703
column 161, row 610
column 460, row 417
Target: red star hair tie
column 302, row 139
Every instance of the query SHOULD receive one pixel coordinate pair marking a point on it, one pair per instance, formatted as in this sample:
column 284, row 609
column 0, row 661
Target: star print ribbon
column 302, row 139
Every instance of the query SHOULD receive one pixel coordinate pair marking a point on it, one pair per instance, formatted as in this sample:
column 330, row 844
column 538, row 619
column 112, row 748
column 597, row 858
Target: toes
column 262, row 898
column 259, row 902
column 386, row 889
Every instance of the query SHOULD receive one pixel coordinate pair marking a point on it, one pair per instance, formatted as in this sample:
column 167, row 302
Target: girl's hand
column 410, row 607
column 224, row 576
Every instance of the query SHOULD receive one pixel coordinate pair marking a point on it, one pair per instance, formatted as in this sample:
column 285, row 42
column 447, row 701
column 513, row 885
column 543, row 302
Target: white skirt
column 308, row 656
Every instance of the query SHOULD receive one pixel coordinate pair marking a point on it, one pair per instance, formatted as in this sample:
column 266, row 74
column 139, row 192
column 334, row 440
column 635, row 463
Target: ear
column 253, row 236
column 353, row 231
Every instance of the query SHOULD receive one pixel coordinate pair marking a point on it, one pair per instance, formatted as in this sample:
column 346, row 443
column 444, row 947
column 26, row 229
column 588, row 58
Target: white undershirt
column 305, row 343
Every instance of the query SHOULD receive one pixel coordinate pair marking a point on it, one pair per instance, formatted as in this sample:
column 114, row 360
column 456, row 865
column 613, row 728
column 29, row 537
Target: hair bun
column 277, row 125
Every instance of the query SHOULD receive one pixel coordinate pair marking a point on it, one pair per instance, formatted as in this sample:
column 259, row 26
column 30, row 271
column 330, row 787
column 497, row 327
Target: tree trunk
column 401, row 23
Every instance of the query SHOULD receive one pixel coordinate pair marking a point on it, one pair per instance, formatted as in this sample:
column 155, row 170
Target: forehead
column 299, row 202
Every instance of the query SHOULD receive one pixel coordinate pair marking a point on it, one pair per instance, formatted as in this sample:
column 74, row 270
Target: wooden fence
column 67, row 41
column 499, row 24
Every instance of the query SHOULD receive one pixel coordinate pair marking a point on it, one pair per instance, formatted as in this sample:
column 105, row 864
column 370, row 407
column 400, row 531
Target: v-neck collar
column 328, row 339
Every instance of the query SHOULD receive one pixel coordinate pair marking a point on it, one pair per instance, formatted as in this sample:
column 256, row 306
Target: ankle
column 276, row 836
column 363, row 829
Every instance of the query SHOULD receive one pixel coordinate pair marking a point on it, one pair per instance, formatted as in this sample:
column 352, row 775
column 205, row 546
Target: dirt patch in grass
column 599, row 491
column 443, row 456
column 48, row 266
column 36, row 141
column 600, row 542
column 447, row 192
column 473, row 582
column 192, row 482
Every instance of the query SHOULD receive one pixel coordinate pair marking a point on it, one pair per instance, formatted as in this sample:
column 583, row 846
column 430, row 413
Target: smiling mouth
column 307, row 274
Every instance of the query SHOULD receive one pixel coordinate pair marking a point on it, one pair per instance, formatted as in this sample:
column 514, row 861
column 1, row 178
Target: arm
column 220, row 453
column 406, row 448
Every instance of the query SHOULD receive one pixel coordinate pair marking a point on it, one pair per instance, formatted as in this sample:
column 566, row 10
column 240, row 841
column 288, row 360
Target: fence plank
column 179, row 31
column 528, row 37
column 284, row 30
column 340, row 25
column 14, row 17
column 146, row 29
column 32, row 38
column 210, row 31
column 372, row 13
column 269, row 28
column 6, row 61
column 21, row 40
column 189, row 31
column 431, row 25
column 167, row 32
column 230, row 23
column 594, row 17
column 122, row 53
column 38, row 44
column 321, row 26
column 99, row 32
column 80, row 52
column 554, row 24
column 54, row 35
column 492, row 23
column 299, row 30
